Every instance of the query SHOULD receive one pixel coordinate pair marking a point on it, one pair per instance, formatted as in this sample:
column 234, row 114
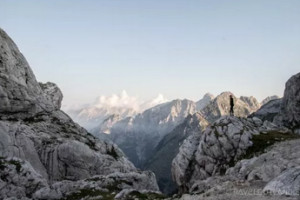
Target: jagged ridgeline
column 152, row 138
column 45, row 155
column 237, row 158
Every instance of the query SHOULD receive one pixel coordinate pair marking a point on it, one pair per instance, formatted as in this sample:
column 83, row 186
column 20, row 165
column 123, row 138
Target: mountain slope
column 43, row 153
column 167, row 149
column 138, row 136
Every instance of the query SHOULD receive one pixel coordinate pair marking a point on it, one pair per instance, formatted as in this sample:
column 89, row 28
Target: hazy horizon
column 179, row 49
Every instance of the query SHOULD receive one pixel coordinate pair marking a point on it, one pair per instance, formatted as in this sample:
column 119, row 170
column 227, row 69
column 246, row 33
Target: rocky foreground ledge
column 45, row 155
column 245, row 158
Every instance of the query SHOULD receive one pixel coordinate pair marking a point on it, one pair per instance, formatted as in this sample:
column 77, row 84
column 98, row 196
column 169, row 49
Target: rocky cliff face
column 290, row 107
column 20, row 94
column 209, row 153
column 138, row 136
column 220, row 106
column 202, row 103
column 269, row 110
column 269, row 98
column 252, row 103
column 271, row 175
column 43, row 153
column 285, row 111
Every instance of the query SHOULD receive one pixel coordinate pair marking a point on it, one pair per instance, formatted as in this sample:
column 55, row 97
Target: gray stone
column 53, row 93
column 43, row 153
column 287, row 183
column 290, row 108
column 209, row 153
column 269, row 110
column 20, row 94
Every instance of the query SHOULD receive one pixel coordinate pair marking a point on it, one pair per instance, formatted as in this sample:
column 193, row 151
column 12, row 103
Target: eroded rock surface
column 41, row 148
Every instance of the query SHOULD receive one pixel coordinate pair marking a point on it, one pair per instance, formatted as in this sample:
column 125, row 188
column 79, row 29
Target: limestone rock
column 287, row 183
column 269, row 165
column 251, row 102
column 210, row 153
column 20, row 94
column 220, row 106
column 41, row 146
column 53, row 93
column 269, row 110
column 18, row 179
column 161, row 161
column 290, row 108
column 202, row 103
column 271, row 175
column 270, row 98
column 138, row 136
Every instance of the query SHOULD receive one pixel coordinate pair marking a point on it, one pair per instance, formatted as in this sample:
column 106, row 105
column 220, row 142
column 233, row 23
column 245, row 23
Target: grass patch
column 2, row 166
column 264, row 140
column 113, row 152
column 16, row 163
column 147, row 196
column 4, row 162
column 83, row 193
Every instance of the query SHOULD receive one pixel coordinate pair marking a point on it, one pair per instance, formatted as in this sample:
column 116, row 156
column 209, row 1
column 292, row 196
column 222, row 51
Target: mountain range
column 195, row 149
column 141, row 136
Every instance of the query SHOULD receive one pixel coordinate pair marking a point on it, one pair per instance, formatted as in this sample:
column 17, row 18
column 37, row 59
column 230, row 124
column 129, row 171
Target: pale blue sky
column 181, row 49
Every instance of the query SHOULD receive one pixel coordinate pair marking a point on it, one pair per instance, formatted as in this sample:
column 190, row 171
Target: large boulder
column 270, row 175
column 209, row 153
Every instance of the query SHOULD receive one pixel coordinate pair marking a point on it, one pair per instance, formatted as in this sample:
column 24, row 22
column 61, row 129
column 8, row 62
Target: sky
column 181, row 49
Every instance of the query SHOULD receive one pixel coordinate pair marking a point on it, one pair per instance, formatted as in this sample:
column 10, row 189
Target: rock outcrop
column 220, row 107
column 209, row 153
column 53, row 93
column 267, row 99
column 286, row 183
column 41, row 147
column 269, row 110
column 20, row 94
column 253, row 162
column 252, row 103
column 290, row 107
column 202, row 103
column 271, row 175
